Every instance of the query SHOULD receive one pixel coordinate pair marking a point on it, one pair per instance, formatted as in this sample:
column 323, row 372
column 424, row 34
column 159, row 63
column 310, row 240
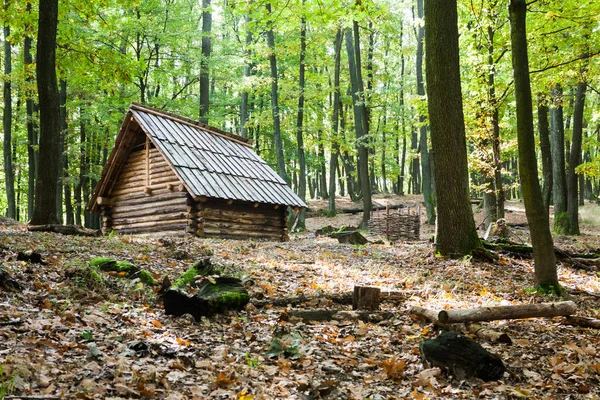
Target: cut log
column 583, row 322
column 461, row 357
column 339, row 298
column 7, row 282
column 488, row 334
column 341, row 315
column 426, row 313
column 366, row 298
column 226, row 293
column 75, row 230
column 507, row 312
column 354, row 238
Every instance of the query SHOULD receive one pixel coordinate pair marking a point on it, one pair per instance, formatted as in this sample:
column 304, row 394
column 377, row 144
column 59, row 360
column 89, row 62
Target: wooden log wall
column 239, row 220
column 147, row 197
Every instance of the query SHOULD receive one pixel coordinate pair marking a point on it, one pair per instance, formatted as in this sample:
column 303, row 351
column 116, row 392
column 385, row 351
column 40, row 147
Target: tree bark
column 204, row 67
column 541, row 238
column 575, row 160
column 546, row 152
column 275, row 101
column 45, row 191
column 455, row 228
column 359, row 125
column 559, row 179
column 11, row 211
column 335, row 122
column 299, row 124
column 63, row 131
column 247, row 73
column 31, row 133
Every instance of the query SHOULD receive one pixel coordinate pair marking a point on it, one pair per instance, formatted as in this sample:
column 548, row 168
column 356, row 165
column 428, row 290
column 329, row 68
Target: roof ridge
column 193, row 123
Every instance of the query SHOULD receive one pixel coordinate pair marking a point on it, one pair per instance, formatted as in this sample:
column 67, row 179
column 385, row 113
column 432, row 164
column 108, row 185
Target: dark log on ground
column 583, row 322
column 353, row 237
column 507, row 312
column 366, row 298
column 581, row 292
column 30, row 256
column 338, row 298
column 357, row 210
column 461, row 357
column 12, row 323
column 214, row 296
column 577, row 260
column 341, row 315
column 74, row 230
column 7, row 282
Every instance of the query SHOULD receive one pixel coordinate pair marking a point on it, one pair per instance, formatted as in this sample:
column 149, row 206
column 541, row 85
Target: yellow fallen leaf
column 182, row 342
column 156, row 323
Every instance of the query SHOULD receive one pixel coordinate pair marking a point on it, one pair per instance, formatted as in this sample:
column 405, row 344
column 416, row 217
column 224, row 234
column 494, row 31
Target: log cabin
column 171, row 175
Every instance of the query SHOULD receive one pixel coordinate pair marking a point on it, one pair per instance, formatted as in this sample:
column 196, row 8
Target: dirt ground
column 63, row 335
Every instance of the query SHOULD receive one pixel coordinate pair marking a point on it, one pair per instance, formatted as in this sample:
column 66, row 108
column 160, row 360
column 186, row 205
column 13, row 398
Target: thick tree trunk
column 299, row 125
column 428, row 194
column 335, row 122
column 546, row 152
column 455, row 228
column 541, row 238
column 9, row 178
column 275, row 101
column 575, row 160
column 359, row 124
column 204, row 67
column 45, row 191
column 559, row 178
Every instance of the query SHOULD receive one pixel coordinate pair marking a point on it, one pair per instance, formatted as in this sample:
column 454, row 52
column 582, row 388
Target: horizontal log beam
column 181, row 215
column 210, row 224
column 507, row 312
column 150, row 224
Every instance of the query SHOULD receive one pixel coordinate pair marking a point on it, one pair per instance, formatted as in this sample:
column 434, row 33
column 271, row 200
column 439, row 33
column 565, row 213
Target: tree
column 204, row 74
column 575, row 160
column 541, row 238
column 455, row 227
column 45, row 190
column 546, row 152
column 559, row 178
column 11, row 211
column 335, row 121
column 299, row 120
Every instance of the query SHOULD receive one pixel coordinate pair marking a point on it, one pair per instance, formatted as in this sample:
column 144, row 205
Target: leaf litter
column 95, row 337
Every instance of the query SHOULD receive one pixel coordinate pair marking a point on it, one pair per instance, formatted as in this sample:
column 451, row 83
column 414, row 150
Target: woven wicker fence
column 401, row 224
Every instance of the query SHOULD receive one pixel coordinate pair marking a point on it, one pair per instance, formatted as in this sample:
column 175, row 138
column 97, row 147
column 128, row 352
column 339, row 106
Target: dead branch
column 583, row 322
column 341, row 315
column 507, row 312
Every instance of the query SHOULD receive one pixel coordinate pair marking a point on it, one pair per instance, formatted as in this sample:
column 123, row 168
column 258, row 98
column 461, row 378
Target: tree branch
column 581, row 57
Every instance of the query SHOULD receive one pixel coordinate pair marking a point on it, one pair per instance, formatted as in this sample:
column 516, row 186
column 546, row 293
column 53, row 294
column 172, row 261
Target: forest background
column 314, row 84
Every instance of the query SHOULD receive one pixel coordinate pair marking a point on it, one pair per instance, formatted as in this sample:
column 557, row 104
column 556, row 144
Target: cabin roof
column 210, row 163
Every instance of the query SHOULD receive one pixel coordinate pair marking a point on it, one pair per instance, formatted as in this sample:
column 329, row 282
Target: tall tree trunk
column 299, row 124
column 455, row 228
column 63, row 131
column 559, row 178
column 402, row 132
column 546, row 152
column 575, row 160
column 335, row 122
column 275, row 101
column 359, row 124
column 45, row 190
column 32, row 141
column 541, row 238
column 321, row 165
column 9, row 178
column 247, row 74
column 204, row 64
column 428, row 194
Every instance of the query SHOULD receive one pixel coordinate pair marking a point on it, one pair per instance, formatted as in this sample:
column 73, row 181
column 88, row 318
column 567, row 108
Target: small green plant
column 7, row 384
column 288, row 345
column 251, row 361
column 87, row 335
column 545, row 290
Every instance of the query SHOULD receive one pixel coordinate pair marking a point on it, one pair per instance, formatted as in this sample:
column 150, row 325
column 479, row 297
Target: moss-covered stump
column 461, row 357
column 108, row 264
column 200, row 268
column 352, row 237
column 215, row 296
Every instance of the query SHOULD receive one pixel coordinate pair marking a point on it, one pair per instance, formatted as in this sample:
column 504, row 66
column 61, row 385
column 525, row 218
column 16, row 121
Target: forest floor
column 75, row 337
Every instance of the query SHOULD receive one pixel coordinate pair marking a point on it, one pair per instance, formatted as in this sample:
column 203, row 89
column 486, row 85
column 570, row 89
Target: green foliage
column 288, row 345
column 87, row 335
column 7, row 384
column 251, row 361
column 546, row 290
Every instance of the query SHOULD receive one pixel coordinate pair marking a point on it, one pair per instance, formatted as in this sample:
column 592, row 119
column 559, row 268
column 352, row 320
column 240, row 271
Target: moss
column 549, row 289
column 104, row 263
column 561, row 223
column 202, row 268
column 146, row 277
column 234, row 299
column 126, row 266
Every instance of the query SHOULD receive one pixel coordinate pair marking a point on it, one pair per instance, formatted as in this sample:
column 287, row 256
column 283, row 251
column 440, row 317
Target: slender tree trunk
column 335, row 122
column 428, row 195
column 44, row 212
column 32, row 141
column 541, row 238
column 363, row 155
column 204, row 64
column 575, row 160
column 9, row 178
column 247, row 74
column 546, row 152
column 455, row 227
column 402, row 132
column 275, row 102
column 63, row 131
column 299, row 124
column 559, row 178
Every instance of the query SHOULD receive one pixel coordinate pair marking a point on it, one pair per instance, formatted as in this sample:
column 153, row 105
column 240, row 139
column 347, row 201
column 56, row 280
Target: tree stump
column 461, row 357
column 353, row 237
column 366, row 298
column 7, row 282
column 215, row 296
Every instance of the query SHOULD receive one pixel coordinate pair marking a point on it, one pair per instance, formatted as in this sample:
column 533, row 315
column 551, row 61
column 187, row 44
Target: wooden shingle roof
column 210, row 163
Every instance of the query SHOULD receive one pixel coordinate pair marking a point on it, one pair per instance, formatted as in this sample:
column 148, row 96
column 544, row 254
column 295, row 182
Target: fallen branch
column 341, row 315
column 12, row 323
column 583, row 322
column 507, row 312
column 338, row 298
column 65, row 230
